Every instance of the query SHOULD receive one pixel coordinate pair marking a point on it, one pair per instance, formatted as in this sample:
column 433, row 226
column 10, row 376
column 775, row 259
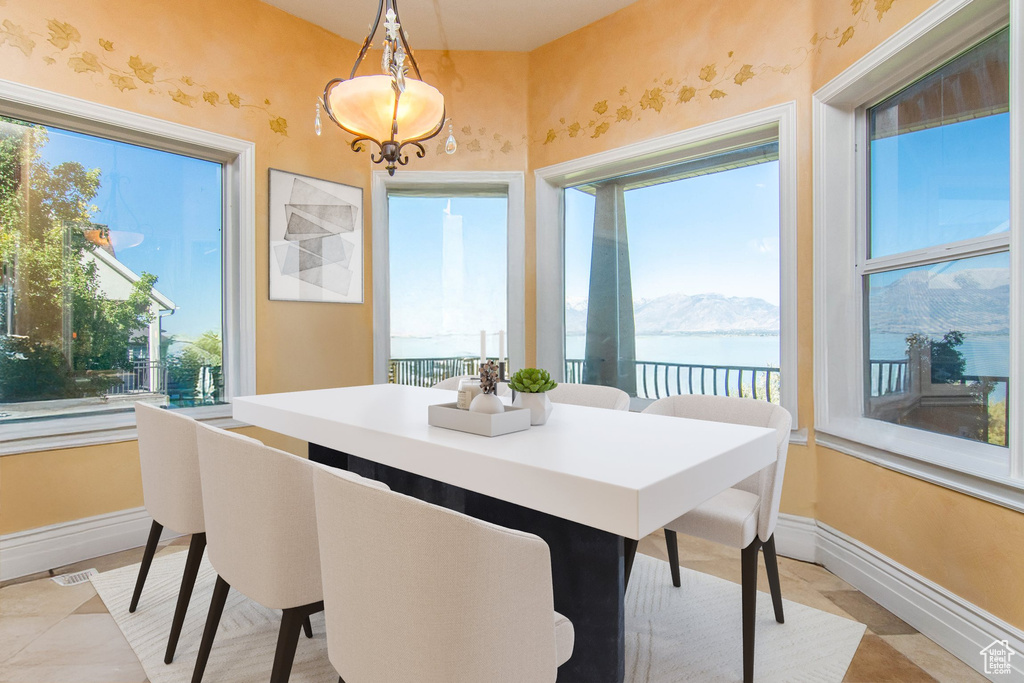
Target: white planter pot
column 539, row 405
column 487, row 403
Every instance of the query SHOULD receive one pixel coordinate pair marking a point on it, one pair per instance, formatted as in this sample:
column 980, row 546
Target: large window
column 447, row 260
column 110, row 252
column 671, row 284
column 917, row 265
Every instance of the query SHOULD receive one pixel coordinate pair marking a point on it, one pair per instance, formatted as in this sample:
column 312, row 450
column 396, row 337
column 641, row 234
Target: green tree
column 45, row 213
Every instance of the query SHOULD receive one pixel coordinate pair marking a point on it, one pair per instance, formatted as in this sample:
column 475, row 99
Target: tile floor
column 54, row 634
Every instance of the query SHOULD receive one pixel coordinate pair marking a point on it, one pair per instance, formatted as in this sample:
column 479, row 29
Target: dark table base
column 587, row 564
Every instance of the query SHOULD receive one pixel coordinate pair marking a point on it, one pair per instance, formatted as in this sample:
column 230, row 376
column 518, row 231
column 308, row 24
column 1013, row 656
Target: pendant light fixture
column 393, row 110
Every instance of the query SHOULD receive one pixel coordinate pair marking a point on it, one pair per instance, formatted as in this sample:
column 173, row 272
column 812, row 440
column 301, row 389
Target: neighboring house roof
column 130, row 276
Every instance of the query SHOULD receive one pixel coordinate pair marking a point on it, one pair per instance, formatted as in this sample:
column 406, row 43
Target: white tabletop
column 625, row 473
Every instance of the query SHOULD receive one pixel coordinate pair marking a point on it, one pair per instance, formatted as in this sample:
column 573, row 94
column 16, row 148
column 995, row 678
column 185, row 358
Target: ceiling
column 503, row 25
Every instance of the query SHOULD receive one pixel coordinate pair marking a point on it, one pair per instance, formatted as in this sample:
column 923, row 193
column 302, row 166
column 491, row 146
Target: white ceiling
column 513, row 25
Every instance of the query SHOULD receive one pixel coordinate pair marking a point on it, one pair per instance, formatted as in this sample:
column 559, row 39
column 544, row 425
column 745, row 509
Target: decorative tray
column 448, row 416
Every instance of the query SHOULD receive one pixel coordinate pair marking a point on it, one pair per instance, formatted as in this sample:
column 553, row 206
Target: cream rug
column 692, row 633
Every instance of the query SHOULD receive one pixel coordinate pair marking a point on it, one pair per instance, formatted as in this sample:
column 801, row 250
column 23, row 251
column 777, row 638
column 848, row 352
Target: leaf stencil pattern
column 15, row 36
column 122, row 83
column 652, row 99
column 745, row 73
column 106, row 45
column 687, row 93
column 87, row 62
column 279, row 125
column 234, row 100
column 182, row 97
column 211, row 97
column 717, row 94
column 623, row 113
column 847, row 34
column 62, row 34
column 881, row 7
column 601, row 107
column 143, row 71
column 708, row 73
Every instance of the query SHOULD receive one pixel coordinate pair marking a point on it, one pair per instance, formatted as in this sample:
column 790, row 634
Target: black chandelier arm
column 420, row 152
column 357, row 144
column 369, row 39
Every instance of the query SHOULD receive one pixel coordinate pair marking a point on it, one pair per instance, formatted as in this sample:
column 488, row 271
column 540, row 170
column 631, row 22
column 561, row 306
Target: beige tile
column 867, row 611
column 43, row 597
column 17, row 632
column 818, row 577
column 93, row 605
column 878, row 662
column 82, row 648
column 939, row 663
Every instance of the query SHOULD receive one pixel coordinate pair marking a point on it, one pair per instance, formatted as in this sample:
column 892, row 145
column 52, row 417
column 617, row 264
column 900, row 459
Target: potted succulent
column 531, row 385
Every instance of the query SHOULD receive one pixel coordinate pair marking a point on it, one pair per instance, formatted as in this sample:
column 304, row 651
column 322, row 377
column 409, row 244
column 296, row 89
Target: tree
column 43, row 248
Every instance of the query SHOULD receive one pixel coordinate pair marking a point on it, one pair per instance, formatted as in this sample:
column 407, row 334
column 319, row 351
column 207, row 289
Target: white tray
column 448, row 416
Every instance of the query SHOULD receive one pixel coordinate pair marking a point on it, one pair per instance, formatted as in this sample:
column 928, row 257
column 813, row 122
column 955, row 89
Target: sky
column 164, row 213
column 713, row 233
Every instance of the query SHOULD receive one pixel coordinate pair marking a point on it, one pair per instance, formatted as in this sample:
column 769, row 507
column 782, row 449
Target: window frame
column 441, row 183
column 238, row 160
column 841, row 209
column 772, row 123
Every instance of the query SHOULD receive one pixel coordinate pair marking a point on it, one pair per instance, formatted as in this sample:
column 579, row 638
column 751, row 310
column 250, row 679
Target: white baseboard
column 959, row 626
column 37, row 550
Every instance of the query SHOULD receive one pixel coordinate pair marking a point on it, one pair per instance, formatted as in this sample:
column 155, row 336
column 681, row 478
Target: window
column 669, row 266
column 125, row 270
column 938, row 343
column 448, row 262
column 672, row 286
column 915, row 239
column 448, row 281
column 110, row 253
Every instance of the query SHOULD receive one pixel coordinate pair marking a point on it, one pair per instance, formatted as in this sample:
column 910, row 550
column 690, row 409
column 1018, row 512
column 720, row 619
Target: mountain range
column 690, row 313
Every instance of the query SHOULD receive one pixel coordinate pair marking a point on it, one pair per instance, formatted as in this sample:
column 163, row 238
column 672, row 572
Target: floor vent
column 76, row 578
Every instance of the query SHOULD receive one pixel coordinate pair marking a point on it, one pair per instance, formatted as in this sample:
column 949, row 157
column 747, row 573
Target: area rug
column 692, row 633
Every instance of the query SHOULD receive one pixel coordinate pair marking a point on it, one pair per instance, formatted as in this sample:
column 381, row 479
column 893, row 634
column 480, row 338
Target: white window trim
column 444, row 181
column 238, row 253
column 777, row 121
column 941, row 32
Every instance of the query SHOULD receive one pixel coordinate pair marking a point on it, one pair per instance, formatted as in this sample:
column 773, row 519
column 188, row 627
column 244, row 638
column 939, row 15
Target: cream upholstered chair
column 744, row 516
column 416, row 592
column 173, row 498
column 452, row 384
column 593, row 395
column 261, row 533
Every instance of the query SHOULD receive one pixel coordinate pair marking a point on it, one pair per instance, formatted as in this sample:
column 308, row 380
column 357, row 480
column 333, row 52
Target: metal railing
column 145, row 377
column 656, row 380
column 888, row 377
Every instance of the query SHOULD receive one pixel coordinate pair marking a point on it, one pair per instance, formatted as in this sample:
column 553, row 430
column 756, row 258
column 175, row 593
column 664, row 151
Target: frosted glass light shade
column 364, row 105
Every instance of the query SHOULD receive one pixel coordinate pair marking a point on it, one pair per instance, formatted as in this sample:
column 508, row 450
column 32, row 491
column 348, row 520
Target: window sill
column 1000, row 490
column 94, row 430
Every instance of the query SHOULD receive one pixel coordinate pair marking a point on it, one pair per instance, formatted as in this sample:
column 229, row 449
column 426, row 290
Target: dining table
column 590, row 482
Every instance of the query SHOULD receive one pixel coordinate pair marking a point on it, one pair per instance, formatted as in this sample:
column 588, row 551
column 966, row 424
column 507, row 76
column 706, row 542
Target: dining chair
column 416, row 592
column 593, row 395
column 743, row 516
column 261, row 536
column 172, row 496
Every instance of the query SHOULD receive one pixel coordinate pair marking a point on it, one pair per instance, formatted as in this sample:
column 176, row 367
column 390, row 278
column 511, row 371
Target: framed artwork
column 316, row 240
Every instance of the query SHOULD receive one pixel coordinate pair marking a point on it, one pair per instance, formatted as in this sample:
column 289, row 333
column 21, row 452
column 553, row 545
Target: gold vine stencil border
column 713, row 81
column 133, row 73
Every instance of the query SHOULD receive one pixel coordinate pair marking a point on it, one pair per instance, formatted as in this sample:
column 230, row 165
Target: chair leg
column 188, row 581
column 220, row 595
column 673, row 556
column 307, row 627
column 155, row 530
column 288, row 639
column 749, row 588
column 629, row 552
column 771, row 565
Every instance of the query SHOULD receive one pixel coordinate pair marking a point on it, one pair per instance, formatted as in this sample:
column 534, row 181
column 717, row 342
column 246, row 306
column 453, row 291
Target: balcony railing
column 654, row 380
column 888, row 377
column 145, row 377
column 183, row 386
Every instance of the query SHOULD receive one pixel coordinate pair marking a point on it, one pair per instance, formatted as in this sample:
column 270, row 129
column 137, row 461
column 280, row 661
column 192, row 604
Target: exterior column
column 610, row 357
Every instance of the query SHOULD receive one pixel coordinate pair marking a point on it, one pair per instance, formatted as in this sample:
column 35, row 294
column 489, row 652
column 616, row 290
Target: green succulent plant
column 532, row 381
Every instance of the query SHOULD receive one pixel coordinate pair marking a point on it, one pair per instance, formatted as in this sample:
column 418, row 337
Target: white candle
column 483, row 346
column 501, row 345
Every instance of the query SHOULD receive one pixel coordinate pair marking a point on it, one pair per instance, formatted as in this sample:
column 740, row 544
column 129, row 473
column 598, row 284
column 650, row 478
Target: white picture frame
column 315, row 240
